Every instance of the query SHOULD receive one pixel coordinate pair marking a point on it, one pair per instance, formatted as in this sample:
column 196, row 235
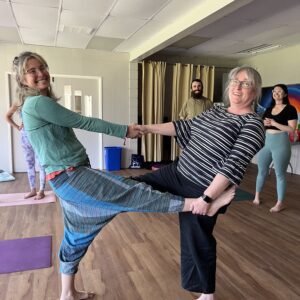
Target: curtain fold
column 182, row 77
column 153, row 95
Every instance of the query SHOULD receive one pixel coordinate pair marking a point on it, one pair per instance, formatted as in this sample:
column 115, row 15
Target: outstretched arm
column 163, row 129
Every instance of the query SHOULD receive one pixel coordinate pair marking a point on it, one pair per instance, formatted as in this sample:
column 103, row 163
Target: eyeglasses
column 34, row 71
column 277, row 92
column 244, row 84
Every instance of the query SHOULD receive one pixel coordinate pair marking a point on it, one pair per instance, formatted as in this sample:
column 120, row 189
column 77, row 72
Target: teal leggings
column 277, row 149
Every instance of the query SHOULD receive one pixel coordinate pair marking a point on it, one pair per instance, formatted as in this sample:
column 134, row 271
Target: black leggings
column 198, row 245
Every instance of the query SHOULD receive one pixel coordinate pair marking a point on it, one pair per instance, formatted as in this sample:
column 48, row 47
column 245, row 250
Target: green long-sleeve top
column 49, row 128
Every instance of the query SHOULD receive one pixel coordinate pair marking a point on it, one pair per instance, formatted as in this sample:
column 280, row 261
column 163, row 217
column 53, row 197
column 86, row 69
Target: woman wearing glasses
column 217, row 145
column 279, row 120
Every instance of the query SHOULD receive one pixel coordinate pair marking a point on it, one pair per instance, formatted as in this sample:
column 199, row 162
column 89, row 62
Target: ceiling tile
column 6, row 17
column 119, row 27
column 140, row 9
column 83, row 18
column 141, row 27
column 101, row 7
column 141, row 35
column 72, row 40
column 102, row 43
column 189, row 42
column 38, row 36
column 35, row 16
column 9, row 35
column 47, row 3
column 176, row 8
column 222, row 26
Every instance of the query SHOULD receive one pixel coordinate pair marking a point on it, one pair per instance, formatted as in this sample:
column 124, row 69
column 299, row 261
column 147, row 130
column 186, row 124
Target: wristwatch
column 206, row 198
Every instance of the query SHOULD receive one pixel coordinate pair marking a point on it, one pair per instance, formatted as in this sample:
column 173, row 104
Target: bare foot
column 278, row 207
column 225, row 198
column 40, row 195
column 79, row 295
column 256, row 202
column 206, row 297
column 30, row 194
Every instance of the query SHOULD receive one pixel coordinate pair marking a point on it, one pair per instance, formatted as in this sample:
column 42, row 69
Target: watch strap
column 206, row 198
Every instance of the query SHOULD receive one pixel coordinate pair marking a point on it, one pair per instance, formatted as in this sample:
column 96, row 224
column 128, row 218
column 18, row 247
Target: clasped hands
column 269, row 122
column 136, row 131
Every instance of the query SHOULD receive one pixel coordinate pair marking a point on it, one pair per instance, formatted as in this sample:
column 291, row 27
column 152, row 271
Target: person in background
column 217, row 146
column 30, row 158
column 279, row 120
column 89, row 198
column 197, row 103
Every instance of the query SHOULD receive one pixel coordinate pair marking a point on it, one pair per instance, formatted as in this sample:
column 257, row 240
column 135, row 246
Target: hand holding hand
column 144, row 129
column 273, row 122
column 134, row 131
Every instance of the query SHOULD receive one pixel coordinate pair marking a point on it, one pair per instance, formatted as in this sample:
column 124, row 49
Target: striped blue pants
column 91, row 198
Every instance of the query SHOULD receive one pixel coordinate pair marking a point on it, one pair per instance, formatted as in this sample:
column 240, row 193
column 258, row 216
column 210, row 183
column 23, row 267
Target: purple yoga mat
column 25, row 254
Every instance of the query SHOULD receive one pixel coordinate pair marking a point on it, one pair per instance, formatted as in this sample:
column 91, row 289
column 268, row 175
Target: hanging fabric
column 153, row 95
column 181, row 90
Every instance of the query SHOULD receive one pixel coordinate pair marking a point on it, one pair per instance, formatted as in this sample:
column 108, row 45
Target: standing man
column 197, row 103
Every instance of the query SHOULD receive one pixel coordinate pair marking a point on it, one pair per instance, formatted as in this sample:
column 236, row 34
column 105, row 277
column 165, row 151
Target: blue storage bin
column 112, row 158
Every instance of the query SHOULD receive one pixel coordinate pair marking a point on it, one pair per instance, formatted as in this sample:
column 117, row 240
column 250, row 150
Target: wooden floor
column 136, row 257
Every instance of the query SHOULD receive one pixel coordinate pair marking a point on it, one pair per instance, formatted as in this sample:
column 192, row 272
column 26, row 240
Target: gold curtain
column 182, row 77
column 153, row 95
column 207, row 75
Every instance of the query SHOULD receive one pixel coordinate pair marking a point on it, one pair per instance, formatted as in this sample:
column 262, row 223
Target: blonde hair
column 253, row 76
column 23, row 91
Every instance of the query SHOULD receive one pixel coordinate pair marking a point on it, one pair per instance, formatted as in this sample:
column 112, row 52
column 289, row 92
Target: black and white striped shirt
column 218, row 142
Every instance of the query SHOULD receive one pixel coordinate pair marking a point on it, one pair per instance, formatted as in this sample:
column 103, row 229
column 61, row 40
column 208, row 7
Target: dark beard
column 196, row 95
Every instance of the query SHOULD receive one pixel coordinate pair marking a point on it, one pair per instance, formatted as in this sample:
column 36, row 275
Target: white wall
column 279, row 66
column 119, row 82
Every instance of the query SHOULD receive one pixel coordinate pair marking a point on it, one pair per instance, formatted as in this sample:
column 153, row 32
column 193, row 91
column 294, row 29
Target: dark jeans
column 198, row 245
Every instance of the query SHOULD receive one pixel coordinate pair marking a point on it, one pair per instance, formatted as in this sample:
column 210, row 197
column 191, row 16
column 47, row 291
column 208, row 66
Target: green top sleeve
column 49, row 127
column 46, row 111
